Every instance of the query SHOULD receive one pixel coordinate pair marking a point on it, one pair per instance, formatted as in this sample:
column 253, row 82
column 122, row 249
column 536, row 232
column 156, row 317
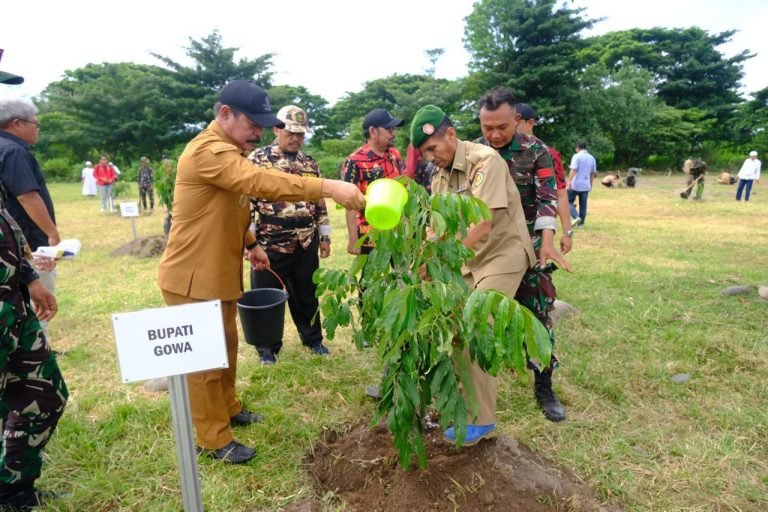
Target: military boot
column 550, row 405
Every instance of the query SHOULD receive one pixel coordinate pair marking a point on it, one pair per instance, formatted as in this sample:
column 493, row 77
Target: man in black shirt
column 27, row 197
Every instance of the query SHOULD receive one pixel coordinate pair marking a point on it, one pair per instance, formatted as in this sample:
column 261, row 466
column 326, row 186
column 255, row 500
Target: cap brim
column 296, row 128
column 10, row 78
column 265, row 120
column 394, row 123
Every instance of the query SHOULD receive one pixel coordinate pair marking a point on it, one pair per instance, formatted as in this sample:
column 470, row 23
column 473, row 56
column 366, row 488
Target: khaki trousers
column 212, row 392
column 486, row 386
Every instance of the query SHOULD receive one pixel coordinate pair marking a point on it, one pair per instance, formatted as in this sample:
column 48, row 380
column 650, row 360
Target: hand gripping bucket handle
column 262, row 315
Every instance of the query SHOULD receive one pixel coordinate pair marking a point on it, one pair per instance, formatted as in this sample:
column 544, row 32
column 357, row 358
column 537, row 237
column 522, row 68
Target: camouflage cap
column 425, row 122
column 295, row 119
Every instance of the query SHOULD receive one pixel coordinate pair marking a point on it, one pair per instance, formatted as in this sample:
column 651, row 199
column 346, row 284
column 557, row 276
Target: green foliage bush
column 121, row 188
column 60, row 169
column 341, row 147
column 329, row 166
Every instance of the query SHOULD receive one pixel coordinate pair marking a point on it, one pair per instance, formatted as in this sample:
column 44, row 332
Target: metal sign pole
column 185, row 446
column 133, row 225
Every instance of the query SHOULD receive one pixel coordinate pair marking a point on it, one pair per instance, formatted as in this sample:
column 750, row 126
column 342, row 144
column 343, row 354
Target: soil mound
column 142, row 247
column 361, row 467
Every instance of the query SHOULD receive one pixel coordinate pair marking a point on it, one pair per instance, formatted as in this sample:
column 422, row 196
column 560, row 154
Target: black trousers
column 296, row 271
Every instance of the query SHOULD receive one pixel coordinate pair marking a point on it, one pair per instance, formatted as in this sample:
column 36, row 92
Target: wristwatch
column 568, row 233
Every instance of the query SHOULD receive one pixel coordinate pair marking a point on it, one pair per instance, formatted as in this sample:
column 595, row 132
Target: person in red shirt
column 375, row 159
column 105, row 176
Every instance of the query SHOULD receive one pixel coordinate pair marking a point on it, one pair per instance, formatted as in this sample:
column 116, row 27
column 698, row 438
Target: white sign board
column 170, row 341
column 129, row 209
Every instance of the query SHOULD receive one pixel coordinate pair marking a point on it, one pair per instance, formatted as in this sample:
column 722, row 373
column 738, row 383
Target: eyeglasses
column 36, row 123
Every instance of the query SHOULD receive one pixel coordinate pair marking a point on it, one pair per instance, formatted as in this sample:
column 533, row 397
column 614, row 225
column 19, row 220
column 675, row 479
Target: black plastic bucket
column 262, row 315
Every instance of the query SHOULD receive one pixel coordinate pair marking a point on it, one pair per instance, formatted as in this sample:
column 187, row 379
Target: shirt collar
column 366, row 150
column 218, row 130
column 14, row 138
column 460, row 157
column 276, row 151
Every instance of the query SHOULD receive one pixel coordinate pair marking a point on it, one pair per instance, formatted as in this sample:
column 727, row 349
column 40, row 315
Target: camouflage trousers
column 32, row 396
column 692, row 181
column 144, row 191
column 537, row 293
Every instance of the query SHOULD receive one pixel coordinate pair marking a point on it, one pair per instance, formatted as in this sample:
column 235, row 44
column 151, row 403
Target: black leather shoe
column 246, row 418
column 550, row 405
column 234, row 453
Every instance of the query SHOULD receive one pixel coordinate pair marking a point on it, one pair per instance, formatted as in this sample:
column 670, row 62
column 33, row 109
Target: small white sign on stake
column 170, row 341
column 129, row 209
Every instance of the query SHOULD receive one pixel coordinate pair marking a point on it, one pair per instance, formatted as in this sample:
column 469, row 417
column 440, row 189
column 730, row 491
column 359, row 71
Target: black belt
column 288, row 222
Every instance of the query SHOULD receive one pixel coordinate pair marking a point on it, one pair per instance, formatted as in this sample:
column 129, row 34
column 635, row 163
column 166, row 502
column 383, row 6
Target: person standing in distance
column 292, row 233
column 87, row 180
column 210, row 235
column 749, row 173
column 105, row 176
column 146, row 180
column 583, row 171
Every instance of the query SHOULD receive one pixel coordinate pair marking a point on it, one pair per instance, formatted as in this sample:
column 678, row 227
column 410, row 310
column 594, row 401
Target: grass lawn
column 649, row 270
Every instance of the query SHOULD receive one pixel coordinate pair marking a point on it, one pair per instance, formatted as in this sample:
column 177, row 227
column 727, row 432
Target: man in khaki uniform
column 502, row 246
column 209, row 237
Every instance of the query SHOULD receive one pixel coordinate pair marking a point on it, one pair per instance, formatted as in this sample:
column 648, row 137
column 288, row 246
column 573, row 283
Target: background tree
column 433, row 54
column 750, row 122
column 529, row 46
column 213, row 67
column 689, row 70
column 126, row 110
column 626, row 122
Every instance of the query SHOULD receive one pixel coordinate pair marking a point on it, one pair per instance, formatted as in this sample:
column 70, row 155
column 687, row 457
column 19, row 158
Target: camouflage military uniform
column 531, row 167
column 32, row 390
column 696, row 169
column 288, row 232
column 147, row 186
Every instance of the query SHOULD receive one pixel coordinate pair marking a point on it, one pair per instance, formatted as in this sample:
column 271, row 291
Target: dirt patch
column 361, row 467
column 143, row 247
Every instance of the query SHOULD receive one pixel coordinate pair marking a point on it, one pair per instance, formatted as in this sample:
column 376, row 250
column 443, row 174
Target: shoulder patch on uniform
column 221, row 147
column 478, row 179
column 544, row 173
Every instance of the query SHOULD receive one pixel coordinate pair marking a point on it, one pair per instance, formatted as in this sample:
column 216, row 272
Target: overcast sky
column 329, row 46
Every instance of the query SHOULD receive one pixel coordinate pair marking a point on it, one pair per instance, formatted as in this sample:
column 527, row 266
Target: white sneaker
column 575, row 222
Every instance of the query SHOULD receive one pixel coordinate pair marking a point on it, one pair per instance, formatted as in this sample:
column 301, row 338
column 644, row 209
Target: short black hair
column 444, row 125
column 581, row 145
column 496, row 97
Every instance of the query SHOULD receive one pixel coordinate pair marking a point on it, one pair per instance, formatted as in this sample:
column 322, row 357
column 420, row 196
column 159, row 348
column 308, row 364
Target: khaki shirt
column 480, row 172
column 211, row 215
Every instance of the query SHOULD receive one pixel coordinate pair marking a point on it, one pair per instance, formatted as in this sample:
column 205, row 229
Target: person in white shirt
column 88, row 181
column 750, row 171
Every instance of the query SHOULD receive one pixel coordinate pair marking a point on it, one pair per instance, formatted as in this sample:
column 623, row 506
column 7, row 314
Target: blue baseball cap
column 251, row 100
